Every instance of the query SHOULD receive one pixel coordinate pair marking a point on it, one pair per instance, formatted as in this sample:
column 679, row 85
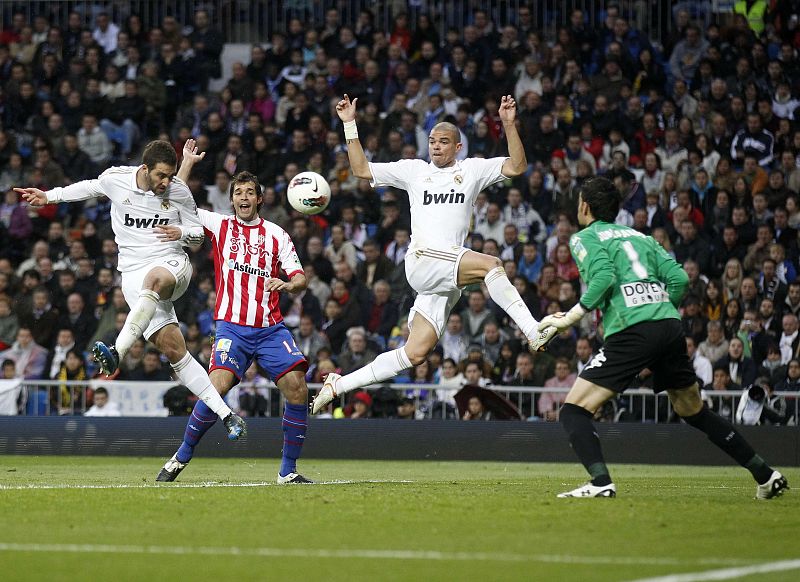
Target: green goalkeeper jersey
column 629, row 276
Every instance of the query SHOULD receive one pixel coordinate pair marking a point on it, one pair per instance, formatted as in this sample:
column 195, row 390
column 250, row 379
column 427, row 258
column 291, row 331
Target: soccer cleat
column 235, row 426
column 107, row 357
column 590, row 490
column 776, row 485
column 293, row 479
column 326, row 394
column 171, row 469
column 539, row 343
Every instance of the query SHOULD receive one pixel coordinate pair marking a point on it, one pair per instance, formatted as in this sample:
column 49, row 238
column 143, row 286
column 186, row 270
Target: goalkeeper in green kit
column 637, row 286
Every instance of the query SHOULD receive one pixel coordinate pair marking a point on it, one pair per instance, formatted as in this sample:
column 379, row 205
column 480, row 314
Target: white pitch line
column 201, row 485
column 728, row 573
column 430, row 555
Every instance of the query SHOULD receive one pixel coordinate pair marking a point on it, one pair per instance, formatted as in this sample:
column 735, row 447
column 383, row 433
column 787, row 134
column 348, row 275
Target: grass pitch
column 104, row 518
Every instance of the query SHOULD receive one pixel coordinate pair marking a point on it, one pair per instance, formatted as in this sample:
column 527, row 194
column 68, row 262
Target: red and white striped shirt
column 245, row 258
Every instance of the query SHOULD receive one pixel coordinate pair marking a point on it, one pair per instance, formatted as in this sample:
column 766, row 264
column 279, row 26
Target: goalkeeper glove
column 561, row 321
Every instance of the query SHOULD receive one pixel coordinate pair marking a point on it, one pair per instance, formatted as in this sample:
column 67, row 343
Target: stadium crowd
column 698, row 132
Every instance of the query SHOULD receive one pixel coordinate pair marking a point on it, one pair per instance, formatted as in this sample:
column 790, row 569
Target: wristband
column 350, row 130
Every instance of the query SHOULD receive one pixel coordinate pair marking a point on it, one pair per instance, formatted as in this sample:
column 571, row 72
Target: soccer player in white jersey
column 155, row 269
column 249, row 255
column 438, row 265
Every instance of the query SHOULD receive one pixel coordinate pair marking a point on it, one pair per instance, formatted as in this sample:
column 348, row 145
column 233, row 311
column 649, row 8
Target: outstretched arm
column 355, row 153
column 82, row 190
column 190, row 158
column 517, row 163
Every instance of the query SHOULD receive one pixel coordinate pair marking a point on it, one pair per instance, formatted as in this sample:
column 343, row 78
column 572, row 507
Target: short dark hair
column 159, row 152
column 101, row 390
column 245, row 178
column 602, row 197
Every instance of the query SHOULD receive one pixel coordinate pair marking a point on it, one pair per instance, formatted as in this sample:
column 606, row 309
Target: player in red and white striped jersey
column 249, row 255
column 246, row 258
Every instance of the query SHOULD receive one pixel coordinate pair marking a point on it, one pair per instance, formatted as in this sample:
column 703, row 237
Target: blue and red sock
column 294, row 433
column 201, row 419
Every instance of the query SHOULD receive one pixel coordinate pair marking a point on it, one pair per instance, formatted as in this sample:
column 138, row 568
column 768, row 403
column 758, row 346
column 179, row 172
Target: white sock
column 386, row 365
column 503, row 292
column 195, row 378
column 137, row 321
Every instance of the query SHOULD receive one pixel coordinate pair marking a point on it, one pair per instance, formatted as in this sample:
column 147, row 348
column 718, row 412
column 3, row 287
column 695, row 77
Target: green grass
column 480, row 521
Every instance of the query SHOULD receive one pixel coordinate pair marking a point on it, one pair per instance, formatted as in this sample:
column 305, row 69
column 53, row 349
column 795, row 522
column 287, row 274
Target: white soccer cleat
column 293, row 479
column 539, row 343
column 776, row 485
column 590, row 490
column 326, row 394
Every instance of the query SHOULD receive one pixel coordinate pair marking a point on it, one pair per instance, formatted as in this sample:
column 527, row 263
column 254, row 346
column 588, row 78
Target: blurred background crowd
column 691, row 115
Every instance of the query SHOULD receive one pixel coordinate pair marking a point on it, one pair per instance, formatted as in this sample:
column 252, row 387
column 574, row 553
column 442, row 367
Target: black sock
column 721, row 433
column 577, row 422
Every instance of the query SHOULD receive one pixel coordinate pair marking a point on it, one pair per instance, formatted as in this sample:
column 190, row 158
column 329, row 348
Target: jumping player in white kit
column 155, row 268
column 438, row 266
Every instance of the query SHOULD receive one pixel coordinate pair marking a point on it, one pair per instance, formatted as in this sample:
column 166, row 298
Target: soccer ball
column 309, row 193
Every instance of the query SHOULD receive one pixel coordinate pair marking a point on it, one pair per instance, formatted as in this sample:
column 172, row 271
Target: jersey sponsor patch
column 643, row 293
column 224, row 345
column 578, row 250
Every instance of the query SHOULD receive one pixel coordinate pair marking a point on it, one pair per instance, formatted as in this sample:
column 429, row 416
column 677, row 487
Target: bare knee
column 415, row 355
column 686, row 402
column 169, row 342
column 159, row 280
column 293, row 387
column 491, row 264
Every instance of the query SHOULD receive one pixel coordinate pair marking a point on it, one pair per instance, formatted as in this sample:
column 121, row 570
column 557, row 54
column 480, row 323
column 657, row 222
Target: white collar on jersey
column 255, row 222
column 449, row 170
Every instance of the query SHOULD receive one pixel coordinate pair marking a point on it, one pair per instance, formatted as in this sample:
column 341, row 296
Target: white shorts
column 132, row 281
column 433, row 274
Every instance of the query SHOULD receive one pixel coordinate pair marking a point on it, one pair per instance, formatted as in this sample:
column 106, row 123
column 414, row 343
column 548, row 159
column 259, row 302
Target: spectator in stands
column 28, row 356
column 308, row 339
column 9, row 324
column 78, row 318
column 357, row 353
column 792, row 303
column 341, row 250
column 360, row 405
column 375, row 266
column 94, row 142
column 476, row 410
column 722, row 381
column 550, row 402
column 65, row 341
column 454, row 340
column 102, row 405
column 753, row 141
column 152, row 369
column 42, row 318
column 383, row 313
column 741, row 369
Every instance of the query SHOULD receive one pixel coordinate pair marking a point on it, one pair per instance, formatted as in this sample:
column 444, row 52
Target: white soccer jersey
column 441, row 198
column 245, row 257
column 135, row 213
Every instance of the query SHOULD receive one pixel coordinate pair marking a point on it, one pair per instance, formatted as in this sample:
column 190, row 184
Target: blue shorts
column 273, row 348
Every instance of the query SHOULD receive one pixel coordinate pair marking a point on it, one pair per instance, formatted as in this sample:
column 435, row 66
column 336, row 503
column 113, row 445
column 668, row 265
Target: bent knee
column 491, row 263
column 687, row 401
column 416, row 357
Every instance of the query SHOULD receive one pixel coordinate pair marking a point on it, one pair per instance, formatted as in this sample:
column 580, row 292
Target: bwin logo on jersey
column 145, row 222
column 451, row 197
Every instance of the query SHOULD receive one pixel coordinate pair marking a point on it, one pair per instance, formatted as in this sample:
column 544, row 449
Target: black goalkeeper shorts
column 657, row 345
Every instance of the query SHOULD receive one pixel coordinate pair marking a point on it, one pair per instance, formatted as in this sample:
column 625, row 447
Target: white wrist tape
column 350, row 130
